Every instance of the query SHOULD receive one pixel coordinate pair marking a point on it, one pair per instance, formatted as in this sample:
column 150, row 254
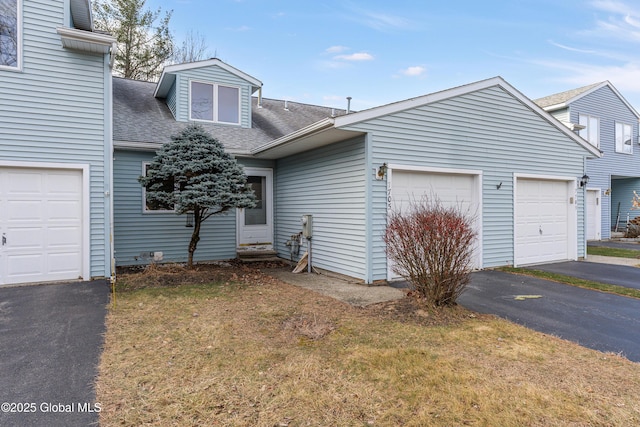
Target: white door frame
column 572, row 214
column 598, row 217
column 477, row 175
column 268, row 244
column 86, row 202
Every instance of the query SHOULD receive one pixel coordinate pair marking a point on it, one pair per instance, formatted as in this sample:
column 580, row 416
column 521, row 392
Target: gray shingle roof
column 139, row 117
column 562, row 97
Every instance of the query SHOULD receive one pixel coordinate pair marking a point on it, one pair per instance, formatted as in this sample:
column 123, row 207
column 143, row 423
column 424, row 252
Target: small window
column 10, row 33
column 591, row 132
column 214, row 103
column 623, row 138
column 154, row 206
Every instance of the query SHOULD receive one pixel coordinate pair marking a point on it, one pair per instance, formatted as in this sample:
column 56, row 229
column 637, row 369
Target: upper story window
column 214, row 102
column 623, row 138
column 591, row 132
column 154, row 206
column 10, row 37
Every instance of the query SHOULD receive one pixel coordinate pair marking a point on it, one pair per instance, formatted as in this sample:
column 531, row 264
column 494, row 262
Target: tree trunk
column 195, row 236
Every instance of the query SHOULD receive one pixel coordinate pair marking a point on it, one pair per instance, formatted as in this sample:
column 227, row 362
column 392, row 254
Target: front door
column 593, row 214
column 255, row 225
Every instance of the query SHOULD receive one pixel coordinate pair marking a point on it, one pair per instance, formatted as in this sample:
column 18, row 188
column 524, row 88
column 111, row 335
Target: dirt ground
column 383, row 301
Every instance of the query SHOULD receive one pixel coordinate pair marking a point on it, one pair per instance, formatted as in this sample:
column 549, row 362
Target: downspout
column 368, row 200
column 109, row 156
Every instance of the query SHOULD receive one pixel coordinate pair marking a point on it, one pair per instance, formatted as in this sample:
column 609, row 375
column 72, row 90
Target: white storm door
column 255, row 225
column 593, row 219
column 40, row 225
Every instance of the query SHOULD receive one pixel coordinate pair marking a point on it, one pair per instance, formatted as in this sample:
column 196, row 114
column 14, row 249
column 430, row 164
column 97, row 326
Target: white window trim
column 144, row 197
column 587, row 128
column 18, row 67
column 215, row 87
column 615, row 136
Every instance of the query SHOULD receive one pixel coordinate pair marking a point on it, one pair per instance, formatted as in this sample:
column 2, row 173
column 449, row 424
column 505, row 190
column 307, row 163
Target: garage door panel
column 43, row 224
column 542, row 221
column 451, row 189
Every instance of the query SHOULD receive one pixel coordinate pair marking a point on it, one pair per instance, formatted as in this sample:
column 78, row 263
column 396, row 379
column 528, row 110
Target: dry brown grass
column 257, row 352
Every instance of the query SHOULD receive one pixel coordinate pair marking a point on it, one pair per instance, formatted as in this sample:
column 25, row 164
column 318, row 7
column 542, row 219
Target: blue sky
column 378, row 52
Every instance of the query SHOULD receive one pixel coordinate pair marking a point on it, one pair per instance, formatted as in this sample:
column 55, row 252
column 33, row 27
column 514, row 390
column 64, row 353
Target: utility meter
column 307, row 226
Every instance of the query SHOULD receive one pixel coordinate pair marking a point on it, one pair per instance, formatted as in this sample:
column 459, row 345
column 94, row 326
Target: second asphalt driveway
column 597, row 320
column 620, row 275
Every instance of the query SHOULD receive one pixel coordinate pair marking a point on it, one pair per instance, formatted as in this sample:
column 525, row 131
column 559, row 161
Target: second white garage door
column 544, row 224
column 40, row 225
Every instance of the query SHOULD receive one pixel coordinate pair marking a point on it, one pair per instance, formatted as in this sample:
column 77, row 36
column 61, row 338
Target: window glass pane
column 228, row 104
column 627, row 139
column 166, row 186
column 594, row 131
column 257, row 215
column 9, row 33
column 201, row 101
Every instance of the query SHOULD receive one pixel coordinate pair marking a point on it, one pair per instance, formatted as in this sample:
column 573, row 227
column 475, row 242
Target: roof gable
column 168, row 76
column 564, row 99
column 337, row 126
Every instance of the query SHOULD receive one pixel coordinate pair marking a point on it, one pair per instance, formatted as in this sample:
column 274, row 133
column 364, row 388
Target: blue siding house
column 601, row 115
column 218, row 97
column 484, row 145
column 55, row 143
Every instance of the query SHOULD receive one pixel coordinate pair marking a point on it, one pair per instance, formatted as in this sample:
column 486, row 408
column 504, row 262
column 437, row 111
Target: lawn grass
column 614, row 252
column 574, row 281
column 257, row 352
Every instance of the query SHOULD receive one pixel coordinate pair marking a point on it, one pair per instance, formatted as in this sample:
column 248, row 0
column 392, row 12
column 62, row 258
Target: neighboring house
column 55, row 143
column 483, row 145
column 601, row 115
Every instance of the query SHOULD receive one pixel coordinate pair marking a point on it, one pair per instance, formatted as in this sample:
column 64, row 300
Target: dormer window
column 212, row 102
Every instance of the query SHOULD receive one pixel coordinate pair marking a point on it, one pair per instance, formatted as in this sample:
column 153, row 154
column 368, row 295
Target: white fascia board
column 408, row 104
column 171, row 69
column 85, row 41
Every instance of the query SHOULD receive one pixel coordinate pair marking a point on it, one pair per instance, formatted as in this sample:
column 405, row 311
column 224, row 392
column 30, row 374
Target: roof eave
column 85, row 41
column 168, row 75
column 315, row 135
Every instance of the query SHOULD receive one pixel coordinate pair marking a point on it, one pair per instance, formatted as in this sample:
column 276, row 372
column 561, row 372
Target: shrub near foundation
column 431, row 246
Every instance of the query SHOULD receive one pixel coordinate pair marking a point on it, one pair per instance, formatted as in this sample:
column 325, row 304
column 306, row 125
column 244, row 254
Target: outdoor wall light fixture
column 381, row 172
column 189, row 219
column 584, row 180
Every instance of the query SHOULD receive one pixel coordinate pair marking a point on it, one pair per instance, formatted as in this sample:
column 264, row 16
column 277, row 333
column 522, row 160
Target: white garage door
column 452, row 189
column 40, row 225
column 542, row 221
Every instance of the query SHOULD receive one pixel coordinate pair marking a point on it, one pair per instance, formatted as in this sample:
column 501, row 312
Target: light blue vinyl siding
column 487, row 130
column 328, row 183
column 211, row 74
column 138, row 233
column 603, row 172
column 172, row 99
column 623, row 193
column 55, row 111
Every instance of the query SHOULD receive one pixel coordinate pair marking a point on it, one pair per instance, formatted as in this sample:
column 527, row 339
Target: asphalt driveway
column 620, row 275
column 596, row 320
column 51, row 338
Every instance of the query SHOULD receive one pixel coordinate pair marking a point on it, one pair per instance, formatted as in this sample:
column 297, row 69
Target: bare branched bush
column 431, row 246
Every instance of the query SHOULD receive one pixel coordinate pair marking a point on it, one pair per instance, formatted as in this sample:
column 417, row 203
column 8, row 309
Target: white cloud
column 336, row 49
column 571, row 49
column 417, row 70
column 359, row 56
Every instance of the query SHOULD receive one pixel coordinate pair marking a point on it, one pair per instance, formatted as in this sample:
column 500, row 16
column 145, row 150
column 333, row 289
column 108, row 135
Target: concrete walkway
column 613, row 260
column 338, row 287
